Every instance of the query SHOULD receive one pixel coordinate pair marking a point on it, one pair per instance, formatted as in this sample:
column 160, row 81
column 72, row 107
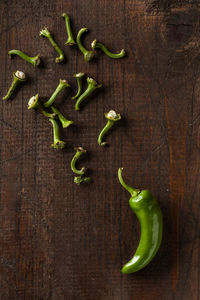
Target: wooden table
column 62, row 241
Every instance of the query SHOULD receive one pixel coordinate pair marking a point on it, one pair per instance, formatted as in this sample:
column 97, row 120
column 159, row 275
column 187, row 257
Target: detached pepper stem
column 35, row 61
column 79, row 152
column 132, row 191
column 92, row 86
column 88, row 55
column 112, row 118
column 79, row 78
column 34, row 102
column 46, row 33
column 65, row 123
column 80, row 179
column 18, row 77
column 70, row 41
column 57, row 143
column 61, row 86
column 96, row 45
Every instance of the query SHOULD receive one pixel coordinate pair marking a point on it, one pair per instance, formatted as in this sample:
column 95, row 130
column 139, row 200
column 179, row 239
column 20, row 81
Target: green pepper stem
column 92, row 86
column 12, row 87
column 70, row 41
column 35, row 61
column 18, row 77
column 65, row 123
column 96, row 45
column 79, row 78
column 79, row 152
column 46, row 33
column 46, row 113
column 61, row 86
column 134, row 192
column 112, row 117
column 34, row 102
column 79, row 179
column 106, row 128
column 57, row 143
column 88, row 55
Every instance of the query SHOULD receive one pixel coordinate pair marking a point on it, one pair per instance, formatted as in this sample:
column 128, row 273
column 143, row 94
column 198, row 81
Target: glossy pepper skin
column 149, row 215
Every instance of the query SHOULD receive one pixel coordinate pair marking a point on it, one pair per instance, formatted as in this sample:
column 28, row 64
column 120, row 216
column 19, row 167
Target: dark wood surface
column 61, row 241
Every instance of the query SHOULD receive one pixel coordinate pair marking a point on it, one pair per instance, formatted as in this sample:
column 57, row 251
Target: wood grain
column 60, row 241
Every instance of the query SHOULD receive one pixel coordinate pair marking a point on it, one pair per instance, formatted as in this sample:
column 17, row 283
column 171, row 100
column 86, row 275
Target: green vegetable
column 79, row 78
column 112, row 118
column 34, row 102
column 35, row 61
column 92, row 86
column 97, row 45
column 70, row 41
column 149, row 215
column 57, row 143
column 18, row 77
column 46, row 33
column 88, row 55
column 65, row 123
column 61, row 86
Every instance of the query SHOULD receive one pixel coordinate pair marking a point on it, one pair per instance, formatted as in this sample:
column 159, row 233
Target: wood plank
column 61, row 241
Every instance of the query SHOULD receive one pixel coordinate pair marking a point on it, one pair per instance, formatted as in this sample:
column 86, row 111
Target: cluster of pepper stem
column 88, row 54
column 92, row 85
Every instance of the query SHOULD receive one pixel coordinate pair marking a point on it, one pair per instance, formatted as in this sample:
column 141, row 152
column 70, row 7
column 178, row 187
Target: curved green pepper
column 149, row 215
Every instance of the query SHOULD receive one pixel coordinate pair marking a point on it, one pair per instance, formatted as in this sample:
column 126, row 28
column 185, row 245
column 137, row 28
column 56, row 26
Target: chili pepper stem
column 35, row 61
column 34, row 102
column 111, row 117
column 79, row 152
column 88, row 55
column 61, row 86
column 45, row 113
column 46, row 33
column 99, row 45
column 103, row 132
column 18, row 77
column 134, row 192
column 65, row 123
column 79, row 78
column 79, row 179
column 92, row 86
column 70, row 41
column 57, row 143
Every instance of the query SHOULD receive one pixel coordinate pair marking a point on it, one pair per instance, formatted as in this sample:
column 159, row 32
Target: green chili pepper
column 79, row 78
column 88, row 55
column 99, row 45
column 70, row 41
column 149, row 215
column 45, row 32
column 35, row 61
column 61, row 86
column 79, row 152
column 57, row 143
column 18, row 77
column 92, row 86
column 34, row 102
column 112, row 118
column 65, row 123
